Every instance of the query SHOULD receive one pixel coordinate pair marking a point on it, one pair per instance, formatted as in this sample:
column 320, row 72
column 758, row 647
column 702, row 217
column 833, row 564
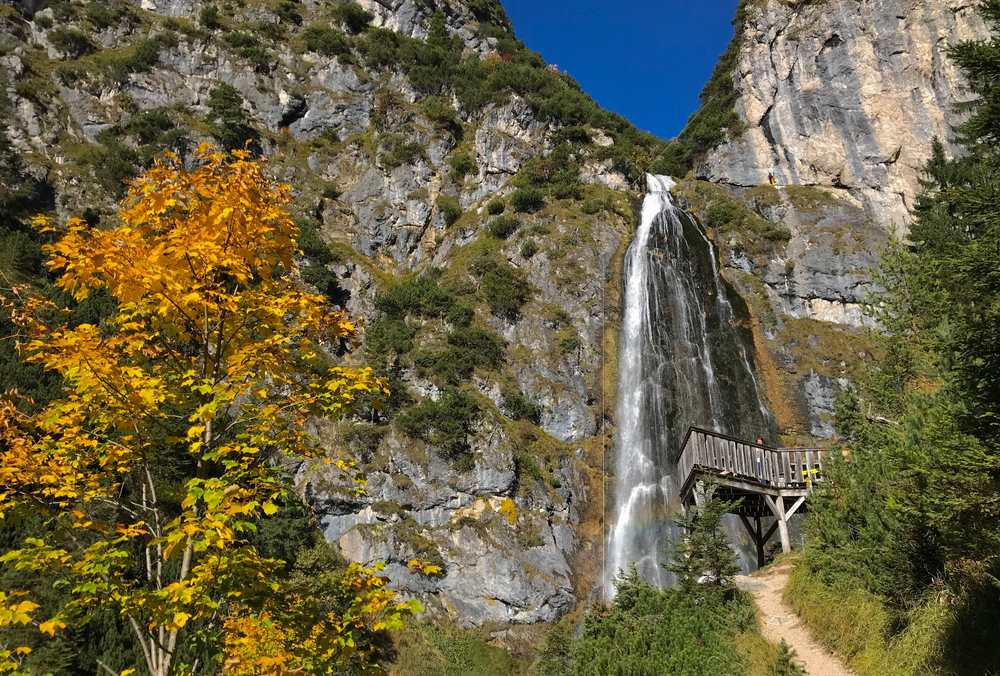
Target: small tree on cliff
column 158, row 459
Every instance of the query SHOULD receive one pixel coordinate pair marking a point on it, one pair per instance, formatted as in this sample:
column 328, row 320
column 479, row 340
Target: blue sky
column 645, row 59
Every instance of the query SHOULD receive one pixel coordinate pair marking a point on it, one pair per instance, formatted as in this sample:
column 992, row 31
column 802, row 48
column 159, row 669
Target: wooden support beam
column 791, row 510
column 777, row 506
column 761, row 541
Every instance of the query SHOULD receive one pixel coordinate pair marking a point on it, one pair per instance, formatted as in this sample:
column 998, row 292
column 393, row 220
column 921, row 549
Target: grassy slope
column 857, row 625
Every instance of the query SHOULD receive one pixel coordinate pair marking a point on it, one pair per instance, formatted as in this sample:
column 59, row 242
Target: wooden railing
column 724, row 455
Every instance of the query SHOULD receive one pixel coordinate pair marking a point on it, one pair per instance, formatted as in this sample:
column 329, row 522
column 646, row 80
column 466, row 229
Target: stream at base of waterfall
column 685, row 359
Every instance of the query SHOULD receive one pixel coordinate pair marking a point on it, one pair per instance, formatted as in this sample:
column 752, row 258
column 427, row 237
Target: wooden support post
column 760, row 542
column 777, row 506
column 756, row 535
column 795, row 507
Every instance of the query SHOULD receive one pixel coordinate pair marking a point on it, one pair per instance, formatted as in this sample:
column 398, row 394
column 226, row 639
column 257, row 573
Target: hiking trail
column 779, row 621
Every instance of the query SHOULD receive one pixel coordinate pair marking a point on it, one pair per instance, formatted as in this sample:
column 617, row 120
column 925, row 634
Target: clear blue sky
column 644, row 59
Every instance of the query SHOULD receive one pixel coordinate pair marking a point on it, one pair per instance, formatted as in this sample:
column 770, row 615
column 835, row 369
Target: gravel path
column 779, row 621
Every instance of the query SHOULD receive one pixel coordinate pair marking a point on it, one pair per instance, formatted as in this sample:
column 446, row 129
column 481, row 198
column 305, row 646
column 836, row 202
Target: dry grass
column 759, row 655
column 856, row 625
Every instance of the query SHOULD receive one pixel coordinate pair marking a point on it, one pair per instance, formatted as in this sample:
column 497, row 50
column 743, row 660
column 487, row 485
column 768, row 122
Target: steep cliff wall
column 837, row 104
column 406, row 128
column 846, row 94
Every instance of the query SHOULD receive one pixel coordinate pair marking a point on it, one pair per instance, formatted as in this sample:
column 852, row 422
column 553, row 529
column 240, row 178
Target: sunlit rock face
column 848, row 95
column 505, row 525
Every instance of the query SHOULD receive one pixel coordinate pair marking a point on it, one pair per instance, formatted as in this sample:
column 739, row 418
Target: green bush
column 354, row 18
column 503, row 227
column 467, row 348
column 575, row 134
column 444, row 424
column 460, row 314
column 325, row 40
column 209, row 17
column 63, row 10
column 569, row 340
column 503, row 287
column 105, row 15
column 529, row 248
column 527, row 200
column 143, row 55
column 488, row 11
column 150, row 126
column 441, row 113
column 229, row 121
column 495, row 207
column 113, row 162
column 389, row 336
column 248, row 46
column 364, row 439
column 416, row 296
column 462, row 165
column 396, row 150
column 71, row 41
column 785, row 664
column 318, row 257
column 272, row 31
column 380, row 47
column 115, row 65
column 520, row 407
column 21, row 254
column 652, row 631
column 450, row 209
column 289, row 11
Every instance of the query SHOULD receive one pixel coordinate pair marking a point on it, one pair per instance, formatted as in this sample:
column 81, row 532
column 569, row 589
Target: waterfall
column 683, row 360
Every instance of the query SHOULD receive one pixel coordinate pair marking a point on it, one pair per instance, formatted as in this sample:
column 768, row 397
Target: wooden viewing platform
column 761, row 477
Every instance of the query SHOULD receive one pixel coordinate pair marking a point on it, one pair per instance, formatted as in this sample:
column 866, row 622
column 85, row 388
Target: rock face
column 846, row 94
column 393, row 183
column 840, row 102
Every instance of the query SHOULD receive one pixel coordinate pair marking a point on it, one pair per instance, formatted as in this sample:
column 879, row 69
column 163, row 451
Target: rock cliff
column 846, row 94
column 837, row 105
column 453, row 195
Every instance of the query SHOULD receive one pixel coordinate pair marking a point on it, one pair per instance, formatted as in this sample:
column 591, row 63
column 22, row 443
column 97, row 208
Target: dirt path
column 779, row 621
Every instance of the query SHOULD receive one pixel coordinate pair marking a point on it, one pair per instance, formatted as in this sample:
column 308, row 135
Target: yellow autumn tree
column 159, row 458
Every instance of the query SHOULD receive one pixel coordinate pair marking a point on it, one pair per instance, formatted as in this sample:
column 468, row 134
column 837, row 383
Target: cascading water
column 683, row 361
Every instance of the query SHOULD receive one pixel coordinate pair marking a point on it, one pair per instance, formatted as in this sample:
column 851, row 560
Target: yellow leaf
column 180, row 619
column 51, row 626
column 270, row 508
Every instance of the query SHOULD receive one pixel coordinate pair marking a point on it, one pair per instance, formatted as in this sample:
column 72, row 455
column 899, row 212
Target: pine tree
column 785, row 664
column 703, row 561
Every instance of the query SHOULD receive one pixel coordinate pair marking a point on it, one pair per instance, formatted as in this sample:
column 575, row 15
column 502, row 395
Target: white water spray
column 682, row 362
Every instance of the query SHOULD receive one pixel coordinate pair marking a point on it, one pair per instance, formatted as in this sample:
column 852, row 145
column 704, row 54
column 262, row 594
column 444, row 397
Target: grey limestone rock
column 847, row 95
